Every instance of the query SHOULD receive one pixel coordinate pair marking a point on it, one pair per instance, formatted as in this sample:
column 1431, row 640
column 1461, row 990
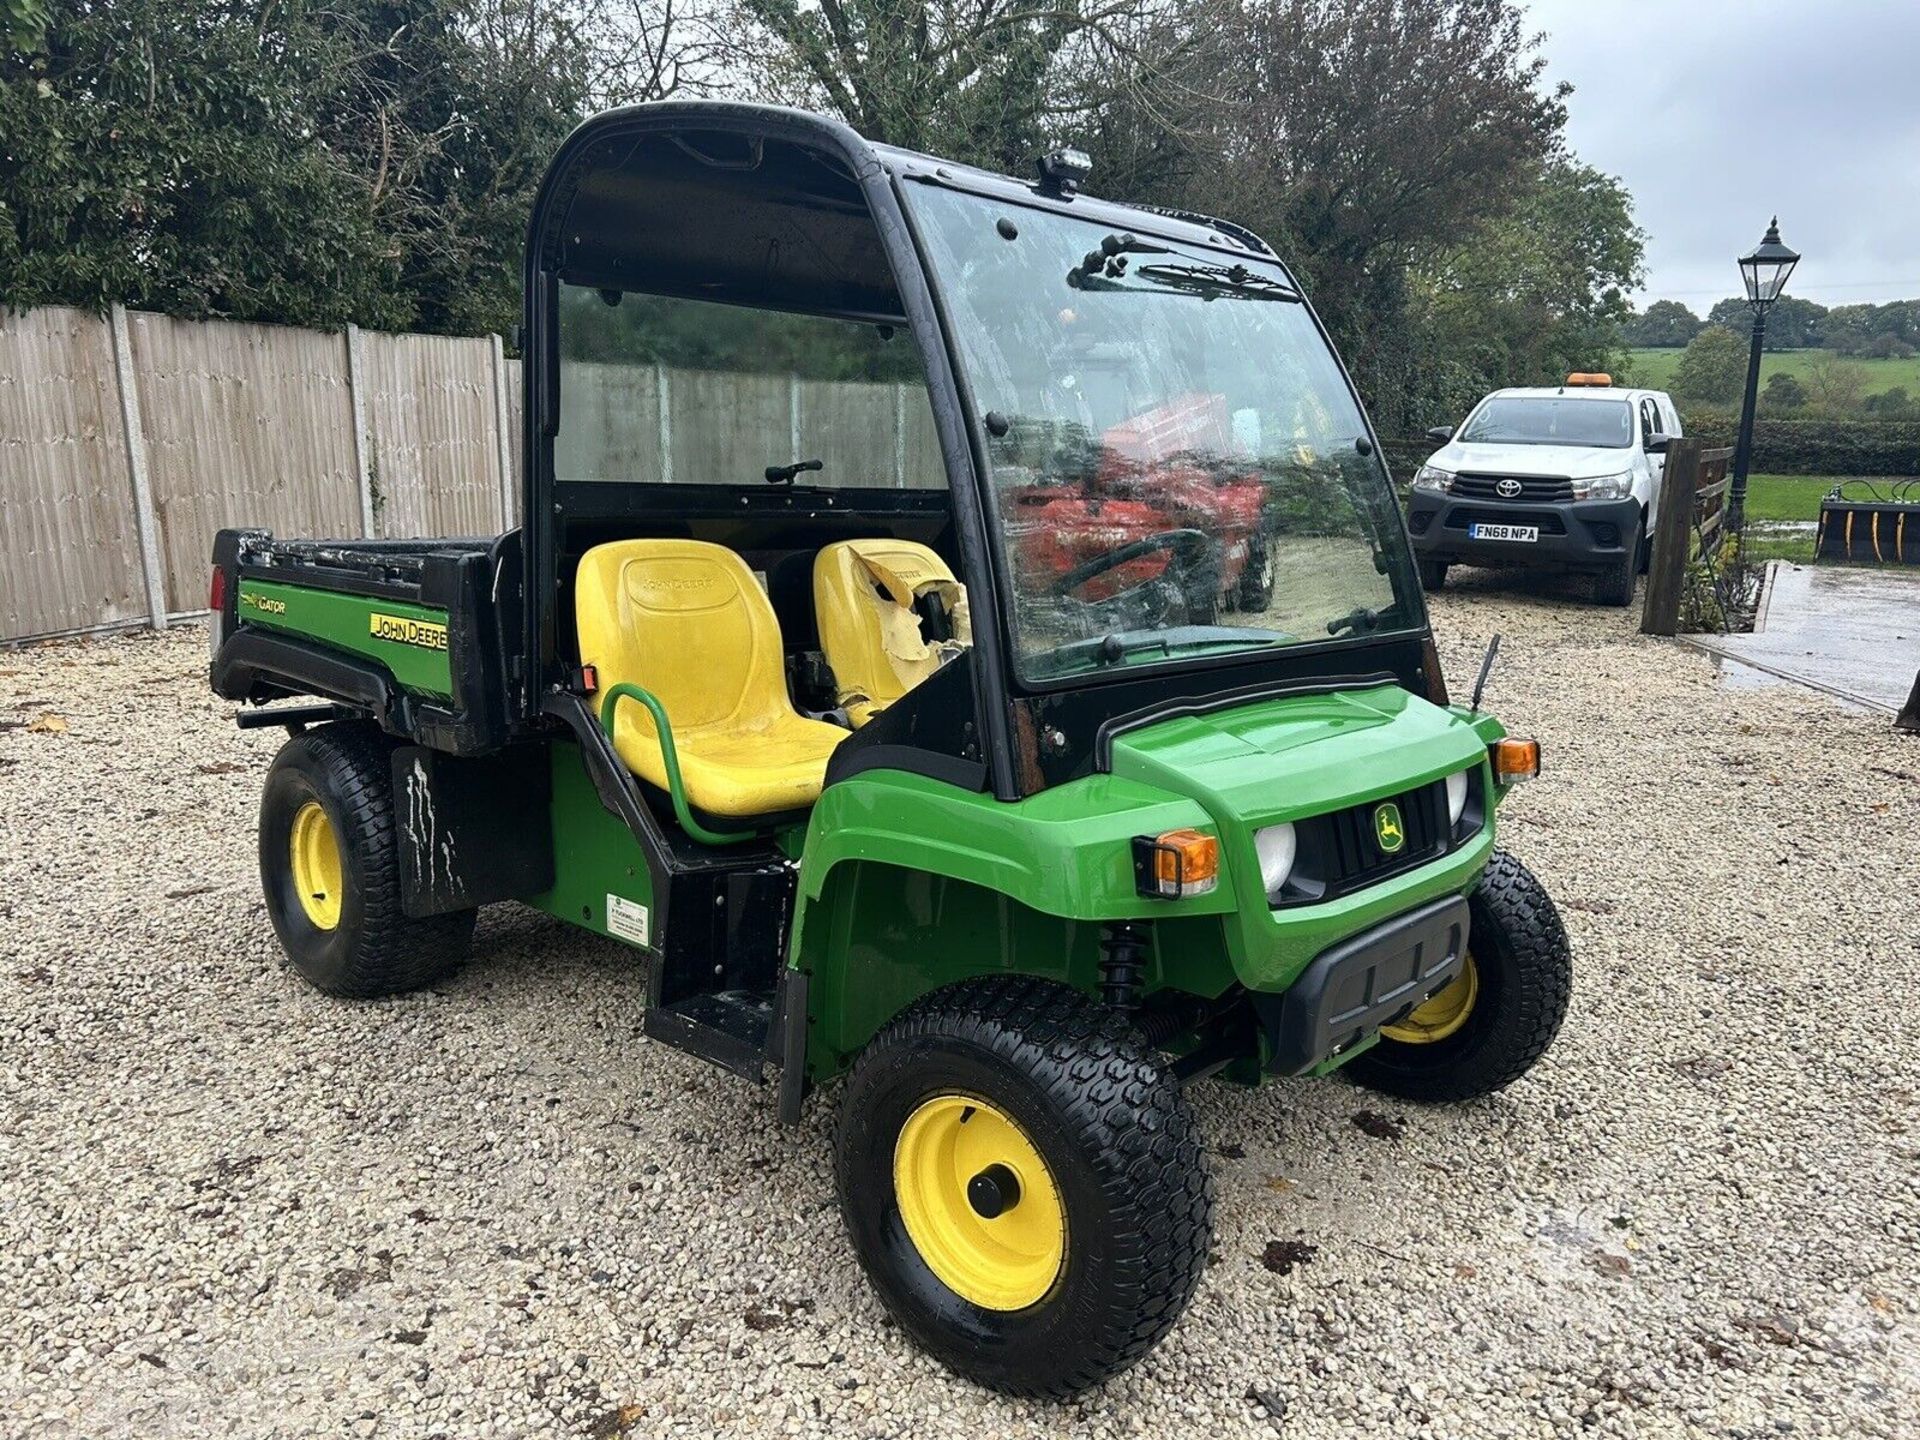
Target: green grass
column 1786, row 497
column 1654, row 368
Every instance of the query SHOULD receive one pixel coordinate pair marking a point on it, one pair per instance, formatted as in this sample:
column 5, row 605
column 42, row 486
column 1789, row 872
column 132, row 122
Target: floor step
column 728, row 1028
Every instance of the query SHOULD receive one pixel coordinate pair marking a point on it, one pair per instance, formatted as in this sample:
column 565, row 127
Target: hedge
column 1817, row 447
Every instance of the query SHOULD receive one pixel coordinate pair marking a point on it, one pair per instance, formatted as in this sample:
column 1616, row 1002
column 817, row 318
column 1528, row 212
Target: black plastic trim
column 1372, row 979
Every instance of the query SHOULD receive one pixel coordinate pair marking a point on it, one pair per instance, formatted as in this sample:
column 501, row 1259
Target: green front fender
column 908, row 884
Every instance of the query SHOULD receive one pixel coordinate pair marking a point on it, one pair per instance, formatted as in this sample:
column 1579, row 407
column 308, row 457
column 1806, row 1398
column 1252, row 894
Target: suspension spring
column 1123, row 961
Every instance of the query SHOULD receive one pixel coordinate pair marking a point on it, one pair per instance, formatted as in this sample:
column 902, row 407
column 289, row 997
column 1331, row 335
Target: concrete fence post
column 145, row 523
column 502, row 421
column 663, row 398
column 899, row 437
column 362, row 451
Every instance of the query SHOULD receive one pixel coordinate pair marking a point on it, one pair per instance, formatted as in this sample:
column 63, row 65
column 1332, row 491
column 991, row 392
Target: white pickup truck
column 1566, row 477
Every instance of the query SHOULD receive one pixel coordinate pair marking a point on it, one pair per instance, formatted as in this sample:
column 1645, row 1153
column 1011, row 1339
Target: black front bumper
column 1573, row 533
column 1370, row 980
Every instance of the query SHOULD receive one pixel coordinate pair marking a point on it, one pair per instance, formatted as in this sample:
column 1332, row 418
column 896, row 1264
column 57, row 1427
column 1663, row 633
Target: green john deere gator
column 963, row 639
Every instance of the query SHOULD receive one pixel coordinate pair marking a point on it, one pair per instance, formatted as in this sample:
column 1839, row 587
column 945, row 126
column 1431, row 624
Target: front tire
column 330, row 867
column 1023, row 1183
column 1433, row 574
column 1490, row 1026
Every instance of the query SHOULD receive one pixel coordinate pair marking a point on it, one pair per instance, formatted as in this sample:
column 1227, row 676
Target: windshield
column 1551, row 420
column 1175, row 466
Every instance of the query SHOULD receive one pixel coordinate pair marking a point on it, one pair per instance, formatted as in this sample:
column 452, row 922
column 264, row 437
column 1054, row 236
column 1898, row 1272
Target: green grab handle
column 676, row 790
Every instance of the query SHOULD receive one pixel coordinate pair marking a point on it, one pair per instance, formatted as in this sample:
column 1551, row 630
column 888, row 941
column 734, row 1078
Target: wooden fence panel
column 432, row 431
column 245, row 425
column 69, row 550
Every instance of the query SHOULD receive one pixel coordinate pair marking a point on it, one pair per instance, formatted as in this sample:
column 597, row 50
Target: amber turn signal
column 1514, row 760
column 1175, row 864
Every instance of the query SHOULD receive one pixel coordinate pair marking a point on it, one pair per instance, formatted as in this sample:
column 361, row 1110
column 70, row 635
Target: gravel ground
column 231, row 1207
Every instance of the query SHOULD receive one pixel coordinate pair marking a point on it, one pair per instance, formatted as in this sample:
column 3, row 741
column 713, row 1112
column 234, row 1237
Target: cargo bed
column 407, row 632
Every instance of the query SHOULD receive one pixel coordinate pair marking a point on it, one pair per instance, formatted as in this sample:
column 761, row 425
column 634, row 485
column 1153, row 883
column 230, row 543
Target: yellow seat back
column 870, row 634
column 687, row 621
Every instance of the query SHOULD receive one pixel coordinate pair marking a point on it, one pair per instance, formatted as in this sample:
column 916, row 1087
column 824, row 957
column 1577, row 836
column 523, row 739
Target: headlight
column 1603, row 487
column 1456, row 797
column 1432, row 477
column 1276, row 846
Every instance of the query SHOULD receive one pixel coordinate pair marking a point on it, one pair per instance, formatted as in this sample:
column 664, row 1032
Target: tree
column 1665, row 325
column 1783, row 392
column 1792, row 323
column 365, row 160
column 976, row 82
column 1835, row 386
column 1359, row 138
column 1540, row 290
column 1891, row 404
column 1713, row 367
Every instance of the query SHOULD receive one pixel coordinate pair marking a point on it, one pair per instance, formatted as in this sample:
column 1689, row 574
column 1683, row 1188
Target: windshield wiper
column 1210, row 282
column 1112, row 648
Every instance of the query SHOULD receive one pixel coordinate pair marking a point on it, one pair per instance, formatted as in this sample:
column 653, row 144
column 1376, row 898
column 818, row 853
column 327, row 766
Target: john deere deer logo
column 1387, row 832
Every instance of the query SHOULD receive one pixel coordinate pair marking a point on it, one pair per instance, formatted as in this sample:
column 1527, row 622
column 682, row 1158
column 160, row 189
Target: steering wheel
column 1185, row 589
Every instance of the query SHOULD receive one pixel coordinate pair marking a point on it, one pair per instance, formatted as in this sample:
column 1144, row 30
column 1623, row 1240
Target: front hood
column 1292, row 756
column 1575, row 462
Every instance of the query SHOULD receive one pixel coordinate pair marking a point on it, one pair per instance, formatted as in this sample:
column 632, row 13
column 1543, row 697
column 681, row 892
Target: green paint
column 346, row 622
column 594, row 853
column 670, row 758
column 908, row 884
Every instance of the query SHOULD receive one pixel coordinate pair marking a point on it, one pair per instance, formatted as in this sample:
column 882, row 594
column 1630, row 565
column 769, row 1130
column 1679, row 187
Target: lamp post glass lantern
column 1764, row 271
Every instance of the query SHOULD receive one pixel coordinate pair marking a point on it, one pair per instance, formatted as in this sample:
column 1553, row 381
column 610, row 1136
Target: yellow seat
column 871, row 634
column 686, row 621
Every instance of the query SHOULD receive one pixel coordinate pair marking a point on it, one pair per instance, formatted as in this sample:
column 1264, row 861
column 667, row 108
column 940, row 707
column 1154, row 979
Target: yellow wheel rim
column 316, row 865
column 979, row 1203
column 1442, row 1015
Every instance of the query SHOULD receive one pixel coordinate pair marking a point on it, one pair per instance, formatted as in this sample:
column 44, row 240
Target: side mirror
column 1440, row 434
column 1658, row 442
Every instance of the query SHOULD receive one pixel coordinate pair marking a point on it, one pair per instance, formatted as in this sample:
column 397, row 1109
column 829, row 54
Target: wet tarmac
column 1853, row 633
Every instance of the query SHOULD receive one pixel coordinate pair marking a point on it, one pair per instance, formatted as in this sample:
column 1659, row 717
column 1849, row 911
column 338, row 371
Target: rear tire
column 1523, row 974
column 330, row 867
column 1433, row 574
column 1103, row 1152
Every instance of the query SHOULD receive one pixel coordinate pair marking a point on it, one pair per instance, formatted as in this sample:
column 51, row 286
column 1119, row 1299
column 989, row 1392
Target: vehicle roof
column 1190, row 226
column 1573, row 392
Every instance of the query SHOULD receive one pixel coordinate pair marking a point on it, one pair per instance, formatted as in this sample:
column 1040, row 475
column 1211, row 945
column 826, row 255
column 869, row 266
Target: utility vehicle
column 761, row 689
column 1565, row 477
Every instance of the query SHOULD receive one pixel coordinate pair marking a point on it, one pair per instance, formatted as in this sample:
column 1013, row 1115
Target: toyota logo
column 1508, row 489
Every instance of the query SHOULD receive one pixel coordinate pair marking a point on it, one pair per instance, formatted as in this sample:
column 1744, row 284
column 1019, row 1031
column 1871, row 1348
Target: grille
column 1339, row 852
column 1532, row 487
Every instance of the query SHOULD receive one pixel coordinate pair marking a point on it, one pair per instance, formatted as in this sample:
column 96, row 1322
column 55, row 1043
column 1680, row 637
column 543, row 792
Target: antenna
column 1486, row 669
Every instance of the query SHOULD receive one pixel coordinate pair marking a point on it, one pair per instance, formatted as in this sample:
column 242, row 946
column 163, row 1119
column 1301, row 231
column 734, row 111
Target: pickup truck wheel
column 1433, row 574
column 329, row 863
column 1487, row 1028
column 1023, row 1183
column 1614, row 585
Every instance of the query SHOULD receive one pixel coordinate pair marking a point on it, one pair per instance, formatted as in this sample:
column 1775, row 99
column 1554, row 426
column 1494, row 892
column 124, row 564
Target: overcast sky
column 1671, row 98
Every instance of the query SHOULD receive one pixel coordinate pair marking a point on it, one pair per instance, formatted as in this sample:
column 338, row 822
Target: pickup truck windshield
column 1175, row 472
column 1550, row 420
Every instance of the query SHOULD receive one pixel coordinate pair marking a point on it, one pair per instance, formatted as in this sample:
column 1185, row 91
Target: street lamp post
column 1764, row 271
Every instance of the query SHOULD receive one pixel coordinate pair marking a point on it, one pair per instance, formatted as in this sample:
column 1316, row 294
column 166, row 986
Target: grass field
column 1654, row 368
